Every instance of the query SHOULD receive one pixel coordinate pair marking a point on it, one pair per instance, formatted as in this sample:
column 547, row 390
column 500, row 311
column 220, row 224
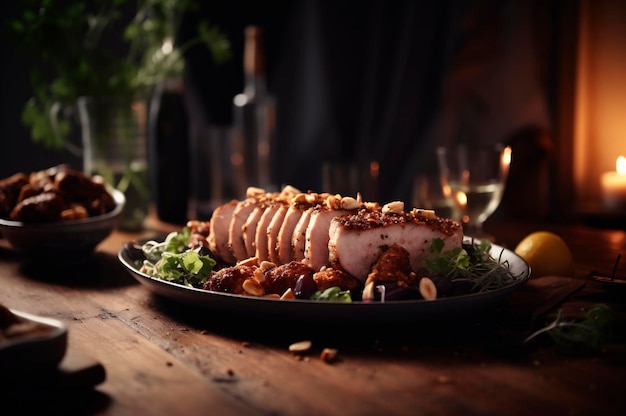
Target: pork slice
column 249, row 229
column 235, row 231
column 273, row 231
column 262, row 229
column 285, row 234
column 299, row 235
column 218, row 231
column 357, row 241
column 316, row 241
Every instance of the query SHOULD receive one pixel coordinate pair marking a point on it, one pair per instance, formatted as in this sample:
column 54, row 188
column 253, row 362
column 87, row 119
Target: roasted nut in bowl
column 62, row 241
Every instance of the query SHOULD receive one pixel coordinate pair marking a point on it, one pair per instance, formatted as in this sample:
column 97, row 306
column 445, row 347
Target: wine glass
column 474, row 176
column 428, row 193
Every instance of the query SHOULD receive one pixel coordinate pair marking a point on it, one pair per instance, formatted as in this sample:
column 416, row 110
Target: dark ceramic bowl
column 63, row 241
column 39, row 343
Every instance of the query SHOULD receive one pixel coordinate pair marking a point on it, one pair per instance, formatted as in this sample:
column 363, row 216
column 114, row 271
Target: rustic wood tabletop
column 130, row 351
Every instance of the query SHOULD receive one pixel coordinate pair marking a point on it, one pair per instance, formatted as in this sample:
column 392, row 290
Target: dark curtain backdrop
column 358, row 81
column 376, row 80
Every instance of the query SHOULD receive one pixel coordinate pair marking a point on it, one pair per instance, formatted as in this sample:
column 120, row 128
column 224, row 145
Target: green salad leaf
column 188, row 268
column 177, row 241
column 172, row 260
column 332, row 294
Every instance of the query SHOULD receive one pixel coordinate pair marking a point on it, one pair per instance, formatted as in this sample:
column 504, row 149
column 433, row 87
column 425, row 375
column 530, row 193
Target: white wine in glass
column 475, row 177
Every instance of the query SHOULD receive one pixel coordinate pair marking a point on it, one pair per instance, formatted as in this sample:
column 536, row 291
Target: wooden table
column 164, row 358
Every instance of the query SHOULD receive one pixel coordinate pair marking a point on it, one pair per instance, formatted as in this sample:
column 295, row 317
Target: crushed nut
column 427, row 213
column 253, row 287
column 333, row 201
column 258, row 275
column 427, row 289
column 288, row 294
column 300, row 347
column 371, row 206
column 266, row 265
column 254, row 192
column 347, row 202
column 395, row 207
column 299, row 198
column 289, row 189
column 312, row 198
column 250, row 261
column 329, row 355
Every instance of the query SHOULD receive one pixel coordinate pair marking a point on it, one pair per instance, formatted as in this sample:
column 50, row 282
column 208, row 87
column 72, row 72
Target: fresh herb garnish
column 332, row 294
column 472, row 261
column 584, row 337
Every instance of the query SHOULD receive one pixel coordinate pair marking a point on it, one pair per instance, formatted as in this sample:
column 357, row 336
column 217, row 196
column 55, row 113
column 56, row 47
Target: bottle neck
column 254, row 62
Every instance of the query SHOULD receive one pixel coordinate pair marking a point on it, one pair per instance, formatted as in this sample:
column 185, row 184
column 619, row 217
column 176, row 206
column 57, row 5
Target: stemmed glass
column 428, row 193
column 474, row 176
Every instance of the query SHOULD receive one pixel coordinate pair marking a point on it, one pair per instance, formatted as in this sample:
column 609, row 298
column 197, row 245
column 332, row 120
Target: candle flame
column 620, row 165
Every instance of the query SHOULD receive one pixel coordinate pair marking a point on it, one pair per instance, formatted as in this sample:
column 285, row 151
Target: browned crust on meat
column 329, row 277
column 368, row 219
column 229, row 279
column 279, row 279
column 393, row 266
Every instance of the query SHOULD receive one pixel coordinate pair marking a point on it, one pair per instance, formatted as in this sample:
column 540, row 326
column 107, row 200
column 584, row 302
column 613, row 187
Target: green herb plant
column 585, row 337
column 105, row 48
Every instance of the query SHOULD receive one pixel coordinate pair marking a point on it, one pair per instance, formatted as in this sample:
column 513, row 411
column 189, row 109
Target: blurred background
column 377, row 85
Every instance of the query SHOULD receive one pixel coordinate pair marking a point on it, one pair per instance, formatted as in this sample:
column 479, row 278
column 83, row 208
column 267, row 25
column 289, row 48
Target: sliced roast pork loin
column 285, row 238
column 316, row 253
column 284, row 248
column 262, row 229
column 273, row 231
column 242, row 220
column 269, row 224
column 241, row 213
column 357, row 241
column 299, row 235
column 218, row 235
column 316, row 235
column 249, row 228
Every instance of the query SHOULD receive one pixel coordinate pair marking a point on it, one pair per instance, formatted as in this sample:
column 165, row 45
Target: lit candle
column 614, row 187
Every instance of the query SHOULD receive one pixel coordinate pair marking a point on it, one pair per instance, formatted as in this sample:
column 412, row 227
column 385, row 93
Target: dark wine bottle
column 254, row 117
column 168, row 152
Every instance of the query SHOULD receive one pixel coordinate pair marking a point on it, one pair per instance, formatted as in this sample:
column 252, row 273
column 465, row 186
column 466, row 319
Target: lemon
column 546, row 253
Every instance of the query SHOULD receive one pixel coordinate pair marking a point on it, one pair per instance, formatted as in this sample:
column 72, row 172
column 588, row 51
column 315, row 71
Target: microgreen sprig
column 472, row 261
column 587, row 336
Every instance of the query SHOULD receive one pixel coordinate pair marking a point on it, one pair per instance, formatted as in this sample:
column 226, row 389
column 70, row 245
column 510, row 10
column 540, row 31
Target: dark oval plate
column 336, row 312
